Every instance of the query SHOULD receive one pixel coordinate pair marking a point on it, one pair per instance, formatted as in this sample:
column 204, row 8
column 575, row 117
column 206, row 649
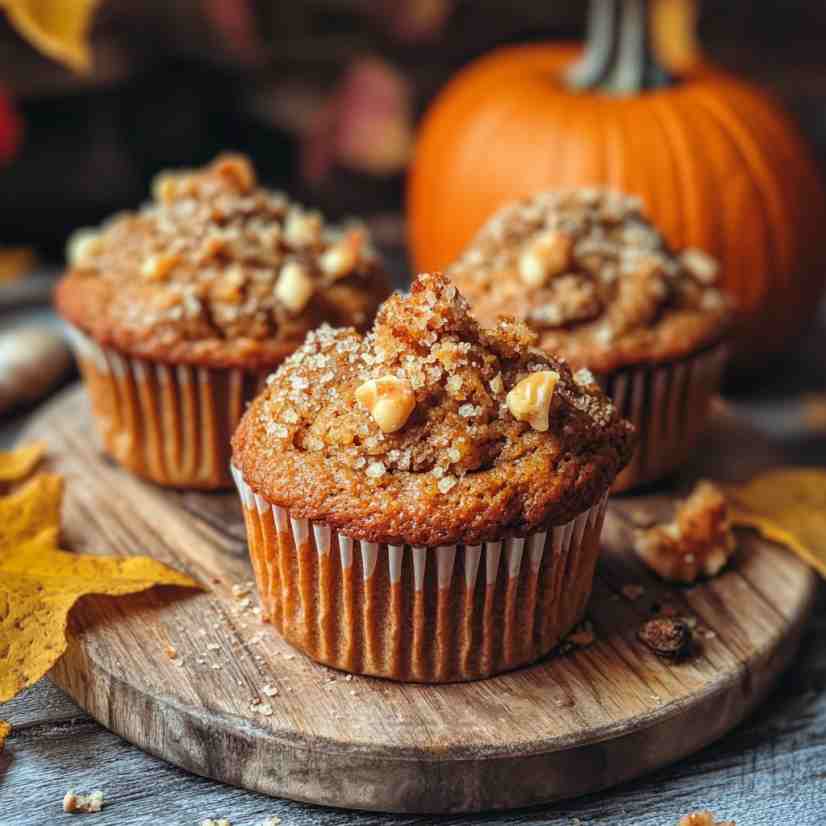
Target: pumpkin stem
column 619, row 56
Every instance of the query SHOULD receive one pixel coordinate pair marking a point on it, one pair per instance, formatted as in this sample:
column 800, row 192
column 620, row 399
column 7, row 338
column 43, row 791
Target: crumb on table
column 699, row 541
column 82, row 803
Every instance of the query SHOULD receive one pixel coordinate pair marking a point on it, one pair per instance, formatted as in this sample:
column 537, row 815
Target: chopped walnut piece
column 703, row 818
column 157, row 267
column 221, row 821
column 341, row 258
column 701, row 265
column 238, row 170
column 389, row 400
column 530, row 400
column 170, row 651
column 667, row 637
column 302, row 228
column 82, row 803
column 294, row 287
column 698, row 542
column 83, row 245
column 547, row 256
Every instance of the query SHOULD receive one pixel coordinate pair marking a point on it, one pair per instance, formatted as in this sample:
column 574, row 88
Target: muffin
column 178, row 312
column 424, row 502
column 601, row 289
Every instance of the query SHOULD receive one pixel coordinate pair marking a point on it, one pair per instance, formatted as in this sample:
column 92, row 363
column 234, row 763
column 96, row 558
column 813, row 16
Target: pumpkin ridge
column 805, row 193
column 766, row 189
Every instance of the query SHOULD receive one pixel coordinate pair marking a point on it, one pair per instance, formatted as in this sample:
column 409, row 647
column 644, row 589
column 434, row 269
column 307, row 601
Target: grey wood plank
column 42, row 705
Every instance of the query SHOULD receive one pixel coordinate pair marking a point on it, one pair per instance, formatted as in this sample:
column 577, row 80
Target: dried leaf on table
column 17, row 464
column 787, row 506
column 5, row 731
column 39, row 583
column 55, row 28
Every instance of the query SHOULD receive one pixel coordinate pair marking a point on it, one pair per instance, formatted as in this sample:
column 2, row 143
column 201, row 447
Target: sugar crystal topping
column 425, row 343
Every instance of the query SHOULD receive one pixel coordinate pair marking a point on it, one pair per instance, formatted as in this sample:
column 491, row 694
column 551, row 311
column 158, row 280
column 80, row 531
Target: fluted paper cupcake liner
column 668, row 405
column 441, row 614
column 168, row 423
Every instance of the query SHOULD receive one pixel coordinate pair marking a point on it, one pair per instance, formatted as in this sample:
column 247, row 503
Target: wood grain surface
column 569, row 725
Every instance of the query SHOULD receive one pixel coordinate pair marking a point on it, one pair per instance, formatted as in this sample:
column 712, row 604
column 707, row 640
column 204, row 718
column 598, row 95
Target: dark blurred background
column 324, row 94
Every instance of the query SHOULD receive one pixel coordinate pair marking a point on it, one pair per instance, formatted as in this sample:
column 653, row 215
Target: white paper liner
column 452, row 612
column 669, row 406
column 169, row 423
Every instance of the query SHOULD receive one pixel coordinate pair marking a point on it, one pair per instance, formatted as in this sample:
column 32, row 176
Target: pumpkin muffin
column 598, row 285
column 178, row 311
column 424, row 502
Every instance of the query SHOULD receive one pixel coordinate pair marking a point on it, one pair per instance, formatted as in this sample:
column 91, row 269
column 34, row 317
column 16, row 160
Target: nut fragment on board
column 699, row 541
column 667, row 637
column 82, row 803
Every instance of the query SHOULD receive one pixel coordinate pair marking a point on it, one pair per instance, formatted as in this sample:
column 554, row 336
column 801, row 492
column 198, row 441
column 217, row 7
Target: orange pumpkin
column 716, row 162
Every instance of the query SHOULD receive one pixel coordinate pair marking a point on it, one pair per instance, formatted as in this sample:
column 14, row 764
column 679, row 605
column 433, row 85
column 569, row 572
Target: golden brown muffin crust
column 218, row 271
column 461, row 468
column 594, row 279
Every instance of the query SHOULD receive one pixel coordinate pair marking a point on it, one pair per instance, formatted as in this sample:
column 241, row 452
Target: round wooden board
column 572, row 724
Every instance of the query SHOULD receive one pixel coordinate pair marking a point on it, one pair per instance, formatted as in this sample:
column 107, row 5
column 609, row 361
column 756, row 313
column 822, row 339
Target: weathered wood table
column 770, row 770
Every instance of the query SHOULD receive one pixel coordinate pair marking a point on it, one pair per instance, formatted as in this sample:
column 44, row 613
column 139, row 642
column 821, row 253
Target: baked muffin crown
column 430, row 429
column 596, row 281
column 216, row 269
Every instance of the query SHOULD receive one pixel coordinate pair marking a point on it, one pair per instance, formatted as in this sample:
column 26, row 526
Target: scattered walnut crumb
column 272, row 820
column 699, row 541
column 170, row 651
column 703, row 818
column 239, row 590
column 632, row 592
column 269, row 690
column 82, row 803
column 666, row 636
column 221, row 821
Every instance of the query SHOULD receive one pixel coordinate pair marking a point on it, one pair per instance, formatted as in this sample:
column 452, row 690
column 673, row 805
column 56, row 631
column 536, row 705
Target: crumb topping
column 214, row 256
column 447, row 382
column 699, row 541
column 587, row 271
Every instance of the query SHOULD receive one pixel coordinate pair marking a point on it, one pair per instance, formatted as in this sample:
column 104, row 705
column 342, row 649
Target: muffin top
column 594, row 279
column 429, row 429
column 218, row 271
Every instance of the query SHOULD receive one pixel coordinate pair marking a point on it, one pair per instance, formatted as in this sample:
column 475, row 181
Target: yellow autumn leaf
column 5, row 731
column 18, row 463
column 787, row 506
column 57, row 28
column 39, row 583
